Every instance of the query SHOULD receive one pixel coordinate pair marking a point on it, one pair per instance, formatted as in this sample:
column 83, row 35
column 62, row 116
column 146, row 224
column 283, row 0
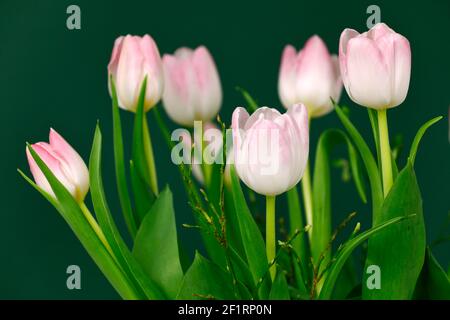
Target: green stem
column 270, row 233
column 148, row 149
column 90, row 218
column 386, row 165
column 307, row 198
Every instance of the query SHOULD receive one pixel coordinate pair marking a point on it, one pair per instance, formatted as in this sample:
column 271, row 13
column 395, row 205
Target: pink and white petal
column 129, row 73
column 79, row 172
column 402, row 73
column 367, row 74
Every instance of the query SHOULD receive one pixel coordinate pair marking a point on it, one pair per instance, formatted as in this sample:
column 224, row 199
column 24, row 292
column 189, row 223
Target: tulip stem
column 386, row 165
column 148, row 149
column 307, row 197
column 91, row 220
column 270, row 233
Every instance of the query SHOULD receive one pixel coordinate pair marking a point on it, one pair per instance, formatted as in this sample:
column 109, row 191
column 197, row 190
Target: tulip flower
column 192, row 86
column 310, row 76
column 270, row 156
column 64, row 162
column 376, row 68
column 134, row 58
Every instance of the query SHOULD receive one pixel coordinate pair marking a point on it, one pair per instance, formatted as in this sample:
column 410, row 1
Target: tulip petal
column 208, row 84
column 286, row 79
column 78, row 170
column 130, row 73
column 366, row 67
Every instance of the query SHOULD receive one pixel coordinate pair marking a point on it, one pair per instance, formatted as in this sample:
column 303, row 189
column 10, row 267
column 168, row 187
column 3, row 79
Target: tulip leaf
column 205, row 280
column 142, row 190
column 252, row 105
column 279, row 290
column 344, row 253
column 433, row 283
column 44, row 193
column 241, row 269
column 398, row 251
column 73, row 215
column 134, row 272
column 418, row 137
column 156, row 245
column 368, row 160
column 143, row 196
column 252, row 239
column 233, row 234
column 321, row 230
column 119, row 164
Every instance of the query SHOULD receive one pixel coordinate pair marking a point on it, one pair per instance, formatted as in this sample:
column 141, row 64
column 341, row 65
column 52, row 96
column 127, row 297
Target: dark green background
column 51, row 76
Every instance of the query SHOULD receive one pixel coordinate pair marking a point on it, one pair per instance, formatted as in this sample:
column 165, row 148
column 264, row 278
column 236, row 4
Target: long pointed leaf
column 156, row 245
column 119, row 164
column 344, row 253
column 369, row 162
column 134, row 272
column 419, row 135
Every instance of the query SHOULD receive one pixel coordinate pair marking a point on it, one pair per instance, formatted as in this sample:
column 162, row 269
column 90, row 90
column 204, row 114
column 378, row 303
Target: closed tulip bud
column 134, row 58
column 375, row 66
column 212, row 140
column 270, row 149
column 64, row 162
column 192, row 86
column 310, row 76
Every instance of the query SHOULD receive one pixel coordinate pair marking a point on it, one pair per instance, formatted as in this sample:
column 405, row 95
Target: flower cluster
column 269, row 153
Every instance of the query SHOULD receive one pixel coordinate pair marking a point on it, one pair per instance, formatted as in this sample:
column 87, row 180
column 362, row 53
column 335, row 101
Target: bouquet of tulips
column 268, row 151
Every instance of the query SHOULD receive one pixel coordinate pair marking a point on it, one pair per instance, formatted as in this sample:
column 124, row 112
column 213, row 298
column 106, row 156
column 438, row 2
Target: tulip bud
column 212, row 140
column 133, row 58
column 64, row 162
column 192, row 86
column 310, row 76
column 375, row 66
column 270, row 149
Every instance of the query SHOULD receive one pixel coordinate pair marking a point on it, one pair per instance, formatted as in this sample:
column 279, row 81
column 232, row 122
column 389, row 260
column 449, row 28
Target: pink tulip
column 192, row 86
column 310, row 76
column 64, row 162
column 132, row 59
column 375, row 66
column 270, row 149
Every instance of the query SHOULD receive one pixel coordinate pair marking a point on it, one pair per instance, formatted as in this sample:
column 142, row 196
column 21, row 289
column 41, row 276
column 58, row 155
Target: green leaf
column 346, row 281
column 373, row 117
column 252, row 239
column 241, row 269
column 345, row 252
column 321, row 230
column 398, row 251
column 368, row 160
column 433, row 283
column 72, row 214
column 143, row 196
column 146, row 287
column 252, row 105
column 418, row 137
column 119, row 164
column 45, row 194
column 280, row 290
column 233, row 233
column 141, row 170
column 156, row 245
column 205, row 280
